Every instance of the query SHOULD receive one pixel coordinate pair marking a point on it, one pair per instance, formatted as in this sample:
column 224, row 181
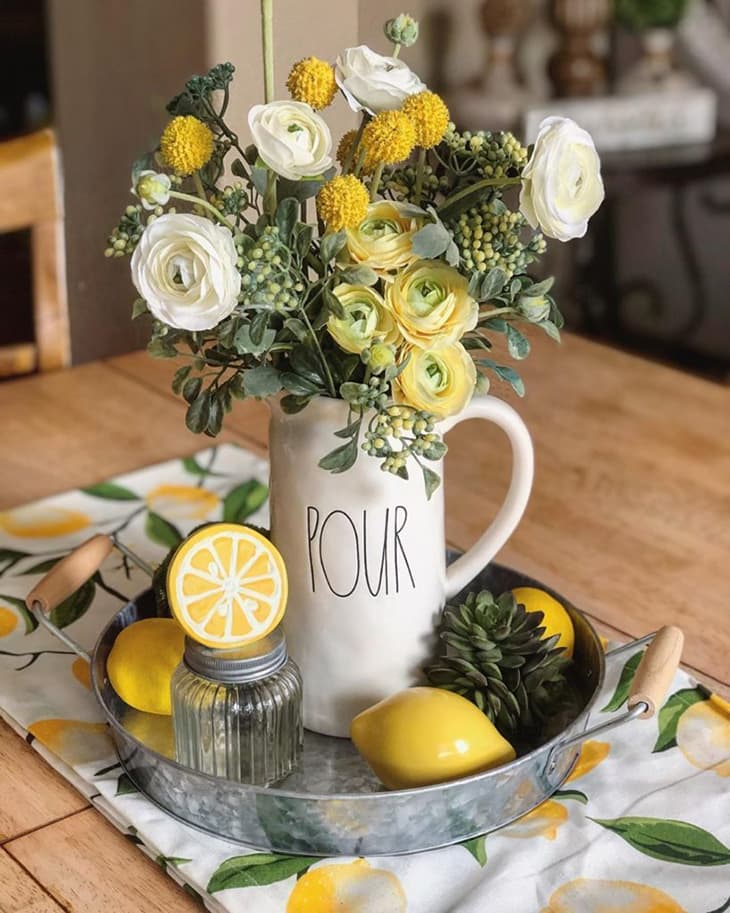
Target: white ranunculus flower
column 185, row 269
column 291, row 138
column 374, row 83
column 561, row 184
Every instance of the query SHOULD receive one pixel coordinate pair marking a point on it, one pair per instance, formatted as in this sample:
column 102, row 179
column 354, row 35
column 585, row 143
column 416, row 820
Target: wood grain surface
column 628, row 517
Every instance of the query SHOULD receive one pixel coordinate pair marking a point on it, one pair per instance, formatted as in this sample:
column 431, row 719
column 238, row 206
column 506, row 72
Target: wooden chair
column 31, row 197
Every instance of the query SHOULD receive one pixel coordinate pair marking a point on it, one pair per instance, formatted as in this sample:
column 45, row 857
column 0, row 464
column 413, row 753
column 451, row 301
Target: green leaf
column 350, row 391
column 341, row 458
column 191, row 389
column 196, row 417
column 29, row 619
column 304, row 361
column 159, row 348
column 477, row 846
column 537, row 289
column 287, row 213
column 110, row 491
column 238, row 168
column 259, row 325
column 179, row 378
column 333, row 304
column 43, row 567
column 669, row 840
column 431, row 241
column 301, row 386
column 125, row 787
column 504, row 373
column 359, row 275
column 574, row 794
column 431, row 480
column 257, row 869
column 299, row 190
column 517, row 344
column 620, row 695
column 492, row 283
column 191, row 465
column 73, row 608
column 9, row 557
column 138, row 308
column 246, row 344
column 162, row 531
column 244, row 500
column 303, row 239
column 262, row 381
column 331, row 245
column 297, row 328
column 671, row 713
column 547, row 326
column 292, row 404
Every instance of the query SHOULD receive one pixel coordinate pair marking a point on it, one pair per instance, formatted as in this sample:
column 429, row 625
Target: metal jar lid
column 240, row 664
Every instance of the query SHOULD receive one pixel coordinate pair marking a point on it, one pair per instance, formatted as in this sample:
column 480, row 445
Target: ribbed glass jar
column 238, row 713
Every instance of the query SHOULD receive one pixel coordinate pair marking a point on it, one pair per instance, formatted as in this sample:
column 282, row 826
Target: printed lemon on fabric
column 586, row 895
column 74, row 741
column 182, row 502
column 351, row 887
column 227, row 585
column 591, row 755
column 42, row 522
column 543, row 821
column 703, row 737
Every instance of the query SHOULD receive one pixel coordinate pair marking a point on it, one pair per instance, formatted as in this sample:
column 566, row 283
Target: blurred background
column 650, row 79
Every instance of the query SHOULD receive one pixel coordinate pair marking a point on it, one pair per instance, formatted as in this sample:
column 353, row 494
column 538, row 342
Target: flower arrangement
column 374, row 272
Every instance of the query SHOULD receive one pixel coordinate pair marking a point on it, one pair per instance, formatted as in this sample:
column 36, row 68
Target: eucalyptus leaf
column 331, row 245
column 541, row 288
column 334, row 305
column 341, row 458
column 492, row 284
column 259, row 177
column 246, row 345
column 349, row 430
column 431, row 241
column 518, row 345
column 262, row 381
column 359, row 275
column 431, row 480
column 509, row 375
column 299, row 190
column 549, row 327
column 496, row 324
column 287, row 213
column 350, row 391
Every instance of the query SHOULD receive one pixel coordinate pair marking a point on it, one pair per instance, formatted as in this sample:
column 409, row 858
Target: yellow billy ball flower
column 312, row 81
column 388, row 138
column 186, row 144
column 430, row 117
column 440, row 380
column 342, row 202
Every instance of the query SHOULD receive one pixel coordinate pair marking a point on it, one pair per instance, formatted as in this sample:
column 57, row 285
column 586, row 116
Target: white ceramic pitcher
column 365, row 552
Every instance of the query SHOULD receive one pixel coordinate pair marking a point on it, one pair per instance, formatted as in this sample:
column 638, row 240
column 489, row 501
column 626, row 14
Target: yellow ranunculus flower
column 382, row 240
column 432, row 304
column 366, row 319
column 440, row 380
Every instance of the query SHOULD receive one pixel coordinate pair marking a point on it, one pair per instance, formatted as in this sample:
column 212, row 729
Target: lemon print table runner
column 642, row 826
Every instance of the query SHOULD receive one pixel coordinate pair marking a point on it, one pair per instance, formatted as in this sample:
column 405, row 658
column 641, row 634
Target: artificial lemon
column 555, row 618
column 227, row 585
column 427, row 735
column 141, row 663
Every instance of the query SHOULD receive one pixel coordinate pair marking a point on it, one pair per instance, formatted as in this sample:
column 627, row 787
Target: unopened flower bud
column 535, row 309
column 381, row 356
column 153, row 189
column 402, row 30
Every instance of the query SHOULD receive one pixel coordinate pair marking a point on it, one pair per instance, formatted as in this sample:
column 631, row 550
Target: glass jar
column 238, row 713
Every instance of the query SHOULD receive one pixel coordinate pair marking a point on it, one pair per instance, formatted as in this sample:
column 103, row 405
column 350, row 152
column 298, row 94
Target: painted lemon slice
column 227, row 585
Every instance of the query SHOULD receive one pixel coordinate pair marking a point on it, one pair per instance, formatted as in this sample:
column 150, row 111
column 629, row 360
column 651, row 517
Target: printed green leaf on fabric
column 621, row 694
column 110, row 491
column 669, row 840
column 9, row 557
column 257, row 869
column 125, row 786
column 43, row 567
column 244, row 500
column 162, row 531
column 477, row 846
column 671, row 713
column 29, row 619
column 73, row 608
column 164, row 861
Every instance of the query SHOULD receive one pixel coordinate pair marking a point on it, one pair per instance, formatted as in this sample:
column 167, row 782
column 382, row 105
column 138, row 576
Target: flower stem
column 396, row 50
column 355, row 144
column 330, row 381
column 375, row 181
column 270, row 193
column 420, row 172
column 267, row 37
column 191, row 198
column 497, row 312
column 473, row 188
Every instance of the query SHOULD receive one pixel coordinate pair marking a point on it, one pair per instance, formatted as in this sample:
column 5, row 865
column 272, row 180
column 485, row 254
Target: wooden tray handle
column 656, row 670
column 69, row 574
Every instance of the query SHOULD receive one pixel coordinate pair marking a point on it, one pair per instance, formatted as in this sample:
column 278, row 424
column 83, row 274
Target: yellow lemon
column 36, row 522
column 74, row 741
column 703, row 737
column 8, row 621
column 555, row 619
column 588, row 895
column 152, row 730
column 142, row 660
column 427, row 735
column 349, row 887
column 591, row 754
column 227, row 585
column 542, row 821
column 182, row 502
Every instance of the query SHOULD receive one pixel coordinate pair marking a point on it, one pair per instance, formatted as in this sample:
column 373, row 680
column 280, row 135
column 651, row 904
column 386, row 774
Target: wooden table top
column 629, row 517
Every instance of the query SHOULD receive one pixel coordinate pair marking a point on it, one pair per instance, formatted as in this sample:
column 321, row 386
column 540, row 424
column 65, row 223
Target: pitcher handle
column 491, row 409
